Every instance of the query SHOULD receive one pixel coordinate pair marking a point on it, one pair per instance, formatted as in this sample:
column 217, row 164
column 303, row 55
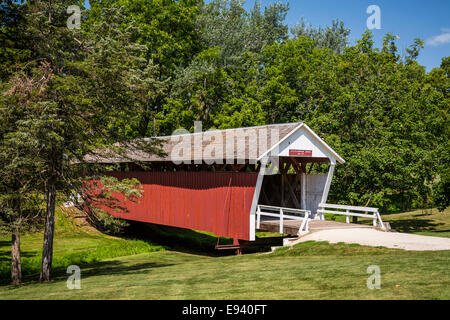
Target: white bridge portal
column 289, row 199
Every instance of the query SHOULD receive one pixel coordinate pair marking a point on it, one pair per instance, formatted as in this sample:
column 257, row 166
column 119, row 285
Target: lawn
column 426, row 222
column 310, row 270
column 75, row 242
column 429, row 222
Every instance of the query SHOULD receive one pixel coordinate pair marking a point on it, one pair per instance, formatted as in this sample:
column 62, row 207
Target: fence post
column 382, row 226
column 375, row 217
column 322, row 214
column 281, row 220
column 307, row 214
column 347, row 217
column 258, row 217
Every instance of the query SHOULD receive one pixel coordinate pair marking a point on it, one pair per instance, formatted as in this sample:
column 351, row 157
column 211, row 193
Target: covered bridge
column 229, row 182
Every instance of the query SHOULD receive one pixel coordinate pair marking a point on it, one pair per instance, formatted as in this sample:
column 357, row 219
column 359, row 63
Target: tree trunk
column 47, row 251
column 16, row 268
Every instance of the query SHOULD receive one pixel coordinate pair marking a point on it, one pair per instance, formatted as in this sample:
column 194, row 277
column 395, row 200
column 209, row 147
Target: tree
column 13, row 50
column 19, row 186
column 334, row 37
column 384, row 115
column 439, row 80
column 19, row 197
column 75, row 85
column 219, row 86
column 167, row 30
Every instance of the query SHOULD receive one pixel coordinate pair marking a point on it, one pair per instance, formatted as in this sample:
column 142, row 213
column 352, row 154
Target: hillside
column 118, row 268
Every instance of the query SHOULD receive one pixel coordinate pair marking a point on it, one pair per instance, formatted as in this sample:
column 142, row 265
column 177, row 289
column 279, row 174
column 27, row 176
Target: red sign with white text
column 297, row 152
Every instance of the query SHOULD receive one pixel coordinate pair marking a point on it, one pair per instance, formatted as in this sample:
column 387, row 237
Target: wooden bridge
column 298, row 222
column 291, row 227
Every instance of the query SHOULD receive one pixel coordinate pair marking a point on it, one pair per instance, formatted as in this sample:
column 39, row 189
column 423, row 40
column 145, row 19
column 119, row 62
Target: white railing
column 279, row 212
column 371, row 213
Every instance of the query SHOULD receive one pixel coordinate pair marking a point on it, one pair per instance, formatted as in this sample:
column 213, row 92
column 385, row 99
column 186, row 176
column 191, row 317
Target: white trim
column 309, row 130
column 303, row 186
column 326, row 189
column 341, row 206
column 334, row 153
column 279, row 142
column 258, row 186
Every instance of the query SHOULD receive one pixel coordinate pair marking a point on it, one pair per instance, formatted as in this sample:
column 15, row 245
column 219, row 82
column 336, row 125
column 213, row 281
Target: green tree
column 167, row 29
column 220, row 84
column 75, row 85
column 334, row 37
column 20, row 183
column 13, row 48
column 439, row 80
column 384, row 115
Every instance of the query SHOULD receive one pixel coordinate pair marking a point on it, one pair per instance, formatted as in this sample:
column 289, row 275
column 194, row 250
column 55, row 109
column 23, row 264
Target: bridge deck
column 291, row 226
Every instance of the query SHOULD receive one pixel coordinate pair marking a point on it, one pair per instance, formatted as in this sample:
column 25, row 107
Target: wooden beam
column 299, row 167
column 284, row 165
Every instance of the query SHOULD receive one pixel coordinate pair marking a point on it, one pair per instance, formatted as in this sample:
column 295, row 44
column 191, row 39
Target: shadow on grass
column 5, row 252
column 193, row 242
column 177, row 239
column 437, row 231
column 415, row 225
column 110, row 268
column 97, row 269
column 4, row 243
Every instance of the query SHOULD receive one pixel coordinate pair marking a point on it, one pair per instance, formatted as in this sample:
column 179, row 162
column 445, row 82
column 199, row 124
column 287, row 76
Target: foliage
column 147, row 67
column 220, row 84
column 334, row 37
column 385, row 116
column 61, row 103
column 166, row 29
column 105, row 196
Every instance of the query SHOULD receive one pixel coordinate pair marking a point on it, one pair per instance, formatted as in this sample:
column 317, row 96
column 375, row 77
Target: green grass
column 185, row 240
column 77, row 243
column 74, row 243
column 115, row 268
column 429, row 222
column 307, row 271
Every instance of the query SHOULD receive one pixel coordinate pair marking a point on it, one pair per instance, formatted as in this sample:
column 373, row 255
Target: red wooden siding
column 218, row 202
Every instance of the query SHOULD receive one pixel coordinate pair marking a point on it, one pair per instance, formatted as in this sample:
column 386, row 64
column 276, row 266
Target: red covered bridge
column 230, row 182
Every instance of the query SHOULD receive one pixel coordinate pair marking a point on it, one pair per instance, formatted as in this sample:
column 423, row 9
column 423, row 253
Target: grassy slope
column 429, row 222
column 74, row 243
column 425, row 222
column 310, row 270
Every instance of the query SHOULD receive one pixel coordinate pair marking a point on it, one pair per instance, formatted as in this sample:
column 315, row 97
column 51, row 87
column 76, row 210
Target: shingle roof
column 208, row 145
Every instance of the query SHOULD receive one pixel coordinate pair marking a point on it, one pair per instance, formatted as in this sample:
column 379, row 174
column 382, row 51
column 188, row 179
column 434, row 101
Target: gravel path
column 372, row 237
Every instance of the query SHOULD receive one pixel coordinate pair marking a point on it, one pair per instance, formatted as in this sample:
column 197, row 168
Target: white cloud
column 442, row 38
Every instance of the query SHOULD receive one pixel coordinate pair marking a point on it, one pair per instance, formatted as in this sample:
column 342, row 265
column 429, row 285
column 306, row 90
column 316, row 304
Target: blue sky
column 408, row 19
